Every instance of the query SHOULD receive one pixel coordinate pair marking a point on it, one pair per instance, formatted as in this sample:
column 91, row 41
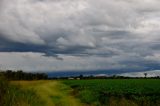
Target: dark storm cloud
column 9, row 46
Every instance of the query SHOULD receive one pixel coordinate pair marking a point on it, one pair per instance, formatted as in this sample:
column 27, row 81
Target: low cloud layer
column 80, row 34
column 155, row 73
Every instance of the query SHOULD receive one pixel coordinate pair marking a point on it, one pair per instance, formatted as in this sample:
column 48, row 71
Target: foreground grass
column 53, row 93
column 13, row 95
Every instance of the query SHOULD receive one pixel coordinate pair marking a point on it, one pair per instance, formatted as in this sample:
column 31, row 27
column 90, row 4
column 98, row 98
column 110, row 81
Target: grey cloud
column 118, row 32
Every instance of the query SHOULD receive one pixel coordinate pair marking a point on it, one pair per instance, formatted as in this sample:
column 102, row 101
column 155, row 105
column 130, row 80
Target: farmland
column 93, row 92
column 113, row 92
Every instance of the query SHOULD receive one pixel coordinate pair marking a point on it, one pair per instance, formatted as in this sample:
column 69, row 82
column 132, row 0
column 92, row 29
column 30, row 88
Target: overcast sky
column 59, row 35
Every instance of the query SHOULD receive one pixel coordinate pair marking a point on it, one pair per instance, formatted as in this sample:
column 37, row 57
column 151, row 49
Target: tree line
column 20, row 75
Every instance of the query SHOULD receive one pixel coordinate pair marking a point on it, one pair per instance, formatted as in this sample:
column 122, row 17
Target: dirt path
column 54, row 93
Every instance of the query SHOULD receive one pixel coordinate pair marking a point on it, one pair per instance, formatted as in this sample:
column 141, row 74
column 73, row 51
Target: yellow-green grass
column 13, row 95
column 52, row 93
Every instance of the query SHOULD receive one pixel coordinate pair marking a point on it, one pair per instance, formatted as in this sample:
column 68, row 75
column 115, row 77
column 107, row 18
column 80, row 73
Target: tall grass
column 12, row 95
column 3, row 89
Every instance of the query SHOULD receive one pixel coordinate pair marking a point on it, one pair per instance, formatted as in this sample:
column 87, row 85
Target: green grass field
column 117, row 92
column 109, row 92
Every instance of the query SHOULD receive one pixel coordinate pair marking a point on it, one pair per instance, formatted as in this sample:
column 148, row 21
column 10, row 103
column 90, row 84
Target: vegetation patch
column 133, row 92
column 12, row 95
column 56, row 99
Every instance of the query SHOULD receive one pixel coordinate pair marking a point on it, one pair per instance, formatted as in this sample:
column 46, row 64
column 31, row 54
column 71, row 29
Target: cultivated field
column 117, row 92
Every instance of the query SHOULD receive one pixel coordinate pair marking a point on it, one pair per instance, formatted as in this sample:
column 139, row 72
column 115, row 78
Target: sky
column 80, row 35
column 154, row 73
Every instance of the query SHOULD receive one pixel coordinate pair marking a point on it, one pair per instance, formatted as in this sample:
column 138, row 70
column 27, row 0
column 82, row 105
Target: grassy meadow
column 108, row 92
column 117, row 92
column 51, row 92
